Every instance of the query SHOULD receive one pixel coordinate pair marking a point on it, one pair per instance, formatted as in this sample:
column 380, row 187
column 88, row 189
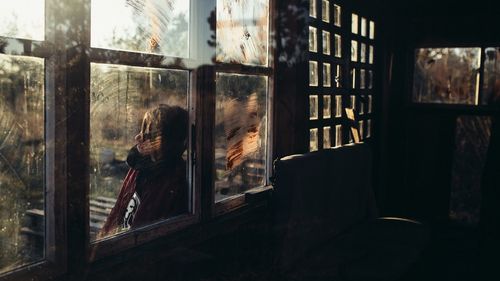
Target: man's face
column 149, row 139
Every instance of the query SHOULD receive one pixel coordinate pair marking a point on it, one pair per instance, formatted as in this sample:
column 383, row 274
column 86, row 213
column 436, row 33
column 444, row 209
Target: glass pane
column 313, row 73
column 327, row 74
column 363, row 26
column 354, row 24
column 338, row 135
column 362, row 77
column 242, row 31
column 313, row 139
column 338, row 106
column 370, row 79
column 326, row 42
column 362, row 101
column 313, row 107
column 138, row 129
column 353, row 102
column 18, row 21
column 338, row 76
column 372, row 30
column 337, row 15
column 361, row 129
column 363, row 53
column 449, row 75
column 368, row 128
column 370, row 104
column 353, row 78
column 313, row 41
column 325, row 11
column 326, row 137
column 354, row 50
column 491, row 79
column 240, row 134
column 312, row 8
column 370, row 55
column 22, row 161
column 327, row 107
column 338, row 46
column 160, row 27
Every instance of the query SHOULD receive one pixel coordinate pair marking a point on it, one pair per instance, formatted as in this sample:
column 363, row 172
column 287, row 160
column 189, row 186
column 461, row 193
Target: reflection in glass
column 22, row 161
column 354, row 50
column 120, row 97
column 354, row 24
column 313, row 41
column 160, row 27
column 448, row 75
column 242, row 31
column 313, row 107
column 337, row 15
column 370, row 55
column 325, row 11
column 362, row 77
column 312, row 8
column 326, row 42
column 372, row 30
column 338, row 135
column 313, row 139
column 338, row 46
column 338, row 76
column 363, row 53
column 327, row 74
column 491, row 79
column 338, row 106
column 326, row 137
column 18, row 21
column 313, row 73
column 327, row 107
column 240, row 134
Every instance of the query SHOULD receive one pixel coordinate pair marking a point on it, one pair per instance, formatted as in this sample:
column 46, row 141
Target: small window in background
column 338, row 46
column 326, row 42
column 327, row 107
column 240, row 38
column 326, row 137
column 22, row 161
column 370, row 79
column 363, row 53
column 312, row 8
column 491, row 79
column 327, row 75
column 240, row 133
column 325, row 11
column 18, row 21
column 353, row 102
column 337, row 15
column 354, row 50
column 313, row 107
column 338, row 76
column 372, row 30
column 125, row 118
column 313, row 139
column 368, row 128
column 362, row 101
column 313, row 73
column 313, row 41
column 361, row 129
column 362, row 77
column 363, row 27
column 152, row 27
column 369, row 104
column 354, row 23
column 353, row 78
column 447, row 75
column 370, row 55
column 338, row 135
column 338, row 106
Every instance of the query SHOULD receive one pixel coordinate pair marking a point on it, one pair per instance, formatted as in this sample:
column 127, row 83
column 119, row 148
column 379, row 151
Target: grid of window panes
column 327, row 63
column 361, row 72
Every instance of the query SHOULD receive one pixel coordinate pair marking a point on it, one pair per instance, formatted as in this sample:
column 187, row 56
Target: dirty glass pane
column 313, row 73
column 313, row 107
column 22, row 161
column 491, row 79
column 133, row 110
column 338, row 106
column 327, row 107
column 337, row 15
column 327, row 75
column 155, row 26
column 354, row 23
column 242, row 31
column 338, row 46
column 338, row 135
column 326, row 137
column 312, row 8
column 325, row 16
column 354, row 50
column 448, row 75
column 313, row 41
column 326, row 42
column 313, row 139
column 338, row 76
column 20, row 22
column 240, row 134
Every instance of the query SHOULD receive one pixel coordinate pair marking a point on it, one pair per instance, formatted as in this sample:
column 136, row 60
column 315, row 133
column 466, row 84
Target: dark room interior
column 245, row 140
